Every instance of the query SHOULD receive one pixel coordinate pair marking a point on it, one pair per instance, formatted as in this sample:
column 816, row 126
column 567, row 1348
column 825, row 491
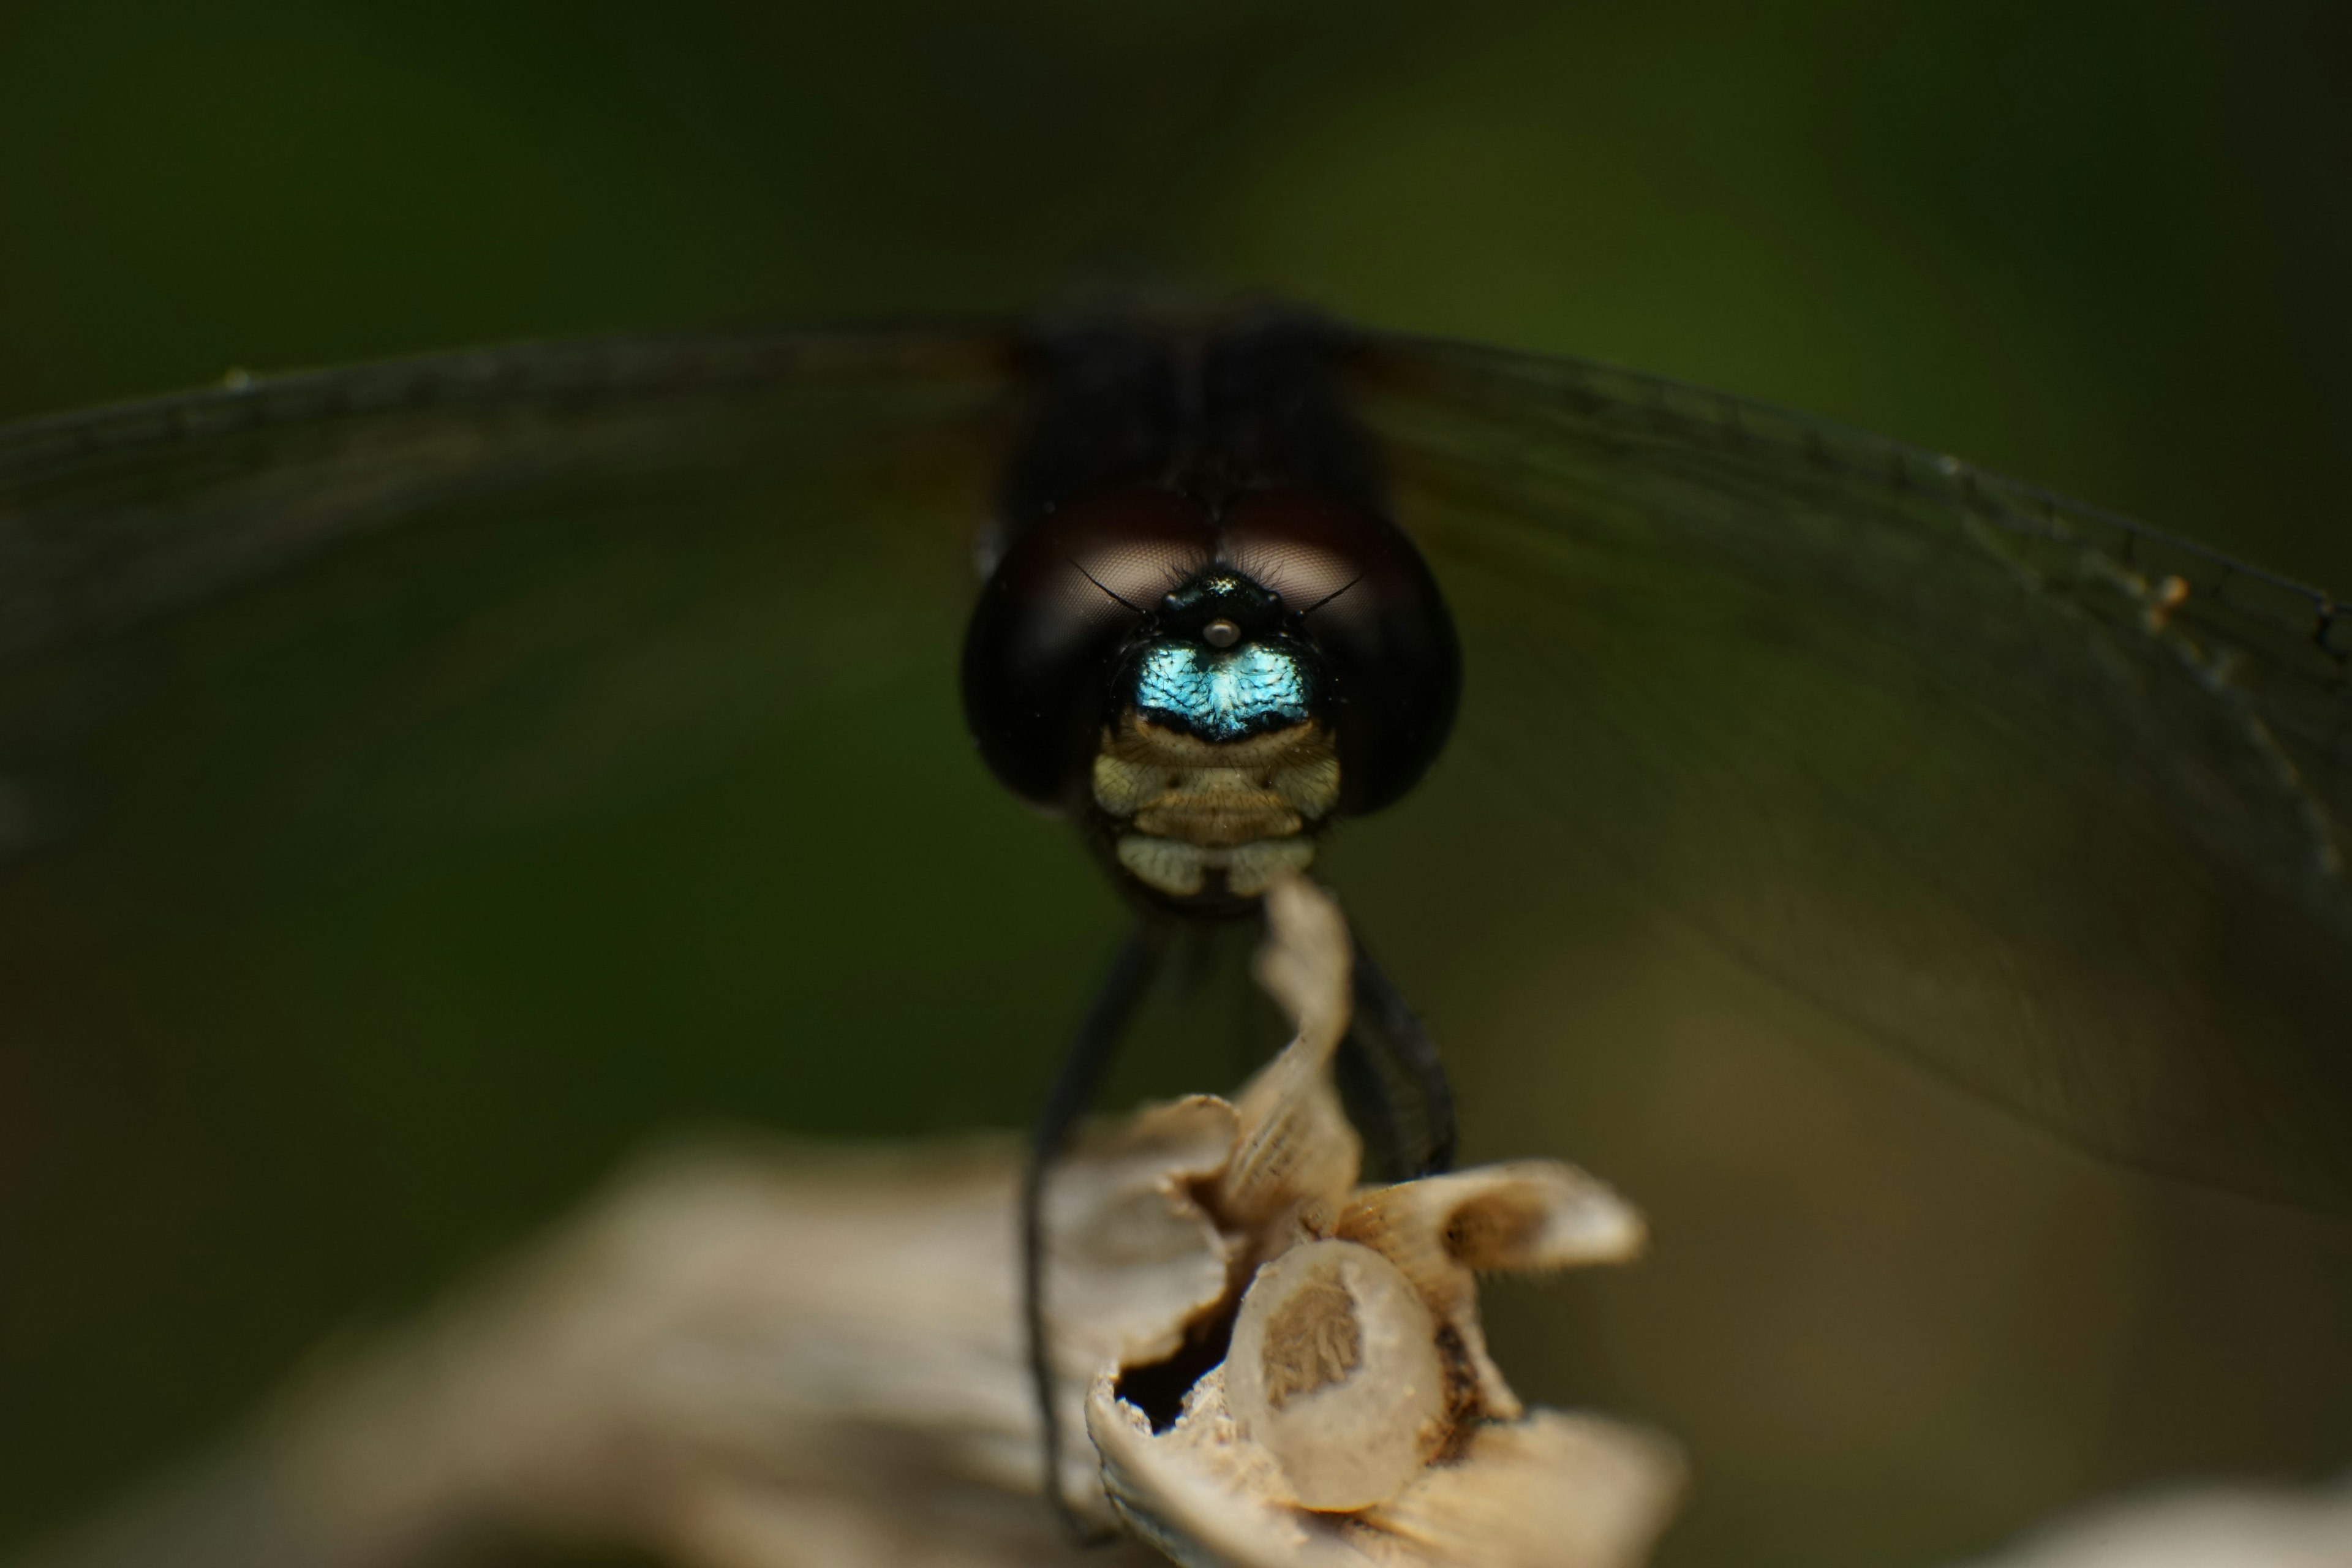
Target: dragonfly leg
column 1368, row 1091
column 1073, row 1091
column 1389, row 1030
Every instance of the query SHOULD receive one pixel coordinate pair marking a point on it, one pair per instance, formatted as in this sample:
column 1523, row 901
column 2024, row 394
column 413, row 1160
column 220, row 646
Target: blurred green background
column 2099, row 246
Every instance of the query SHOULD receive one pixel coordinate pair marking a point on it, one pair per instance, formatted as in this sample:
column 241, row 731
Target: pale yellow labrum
column 1243, row 807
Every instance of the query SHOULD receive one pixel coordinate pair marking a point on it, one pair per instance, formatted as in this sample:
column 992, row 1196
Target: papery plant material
column 811, row 1360
column 1296, row 1149
column 740, row 1356
column 1332, row 1341
column 1357, row 1417
column 2212, row 1527
column 1526, row 1216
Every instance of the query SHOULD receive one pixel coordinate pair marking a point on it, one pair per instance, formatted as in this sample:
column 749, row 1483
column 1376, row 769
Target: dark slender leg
column 1369, row 1093
column 1386, row 1025
column 1073, row 1091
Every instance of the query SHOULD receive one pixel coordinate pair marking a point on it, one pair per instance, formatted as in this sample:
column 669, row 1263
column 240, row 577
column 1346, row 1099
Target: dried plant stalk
column 1357, row 1417
column 743, row 1358
column 745, row 1361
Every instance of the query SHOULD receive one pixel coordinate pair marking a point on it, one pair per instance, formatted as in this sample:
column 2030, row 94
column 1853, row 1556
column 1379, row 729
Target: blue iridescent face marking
column 1221, row 696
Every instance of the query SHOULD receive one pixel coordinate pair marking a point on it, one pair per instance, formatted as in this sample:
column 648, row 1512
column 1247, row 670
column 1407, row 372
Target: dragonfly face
column 1214, row 644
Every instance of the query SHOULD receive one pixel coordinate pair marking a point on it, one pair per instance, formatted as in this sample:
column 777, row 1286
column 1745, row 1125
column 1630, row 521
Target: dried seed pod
column 1334, row 1370
column 1357, row 1418
column 1442, row 1231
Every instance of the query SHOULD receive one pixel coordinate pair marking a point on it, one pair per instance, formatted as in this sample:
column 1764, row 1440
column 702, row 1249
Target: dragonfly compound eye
column 1055, row 619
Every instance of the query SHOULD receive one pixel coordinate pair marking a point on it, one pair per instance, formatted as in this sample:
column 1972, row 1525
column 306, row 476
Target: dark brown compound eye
column 1070, row 591
column 1363, row 595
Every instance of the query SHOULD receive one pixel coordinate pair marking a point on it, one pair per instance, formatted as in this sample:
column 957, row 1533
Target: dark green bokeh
column 2102, row 249
column 2097, row 244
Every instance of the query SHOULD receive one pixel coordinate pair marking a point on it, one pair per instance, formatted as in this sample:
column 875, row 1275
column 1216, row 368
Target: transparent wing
column 109, row 515
column 2049, row 803
column 323, row 624
column 416, row 779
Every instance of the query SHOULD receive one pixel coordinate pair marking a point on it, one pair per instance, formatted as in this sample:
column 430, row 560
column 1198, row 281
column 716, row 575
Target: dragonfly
column 2051, row 804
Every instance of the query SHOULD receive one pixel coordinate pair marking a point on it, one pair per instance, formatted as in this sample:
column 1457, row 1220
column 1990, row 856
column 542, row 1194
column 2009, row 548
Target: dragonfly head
column 1210, row 686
